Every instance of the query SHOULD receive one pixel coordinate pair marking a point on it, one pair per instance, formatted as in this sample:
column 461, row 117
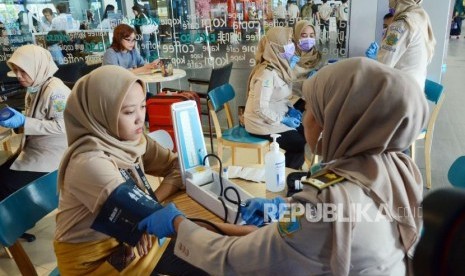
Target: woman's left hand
column 144, row 245
column 155, row 64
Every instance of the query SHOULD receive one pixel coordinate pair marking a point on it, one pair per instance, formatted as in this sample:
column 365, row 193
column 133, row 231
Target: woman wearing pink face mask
column 268, row 109
column 309, row 60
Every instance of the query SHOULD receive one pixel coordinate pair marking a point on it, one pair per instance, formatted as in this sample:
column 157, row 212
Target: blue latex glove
column 291, row 122
column 160, row 223
column 294, row 113
column 17, row 120
column 372, row 51
column 293, row 61
column 311, row 73
column 254, row 210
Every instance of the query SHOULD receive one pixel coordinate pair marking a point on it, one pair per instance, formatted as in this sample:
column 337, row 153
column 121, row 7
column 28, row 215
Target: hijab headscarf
column 268, row 54
column 416, row 18
column 308, row 59
column 36, row 61
column 91, row 117
column 369, row 114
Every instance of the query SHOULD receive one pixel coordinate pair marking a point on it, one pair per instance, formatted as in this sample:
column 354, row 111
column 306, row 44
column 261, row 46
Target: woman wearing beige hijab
column 44, row 139
column 268, row 109
column 367, row 220
column 105, row 123
column 309, row 59
column 409, row 41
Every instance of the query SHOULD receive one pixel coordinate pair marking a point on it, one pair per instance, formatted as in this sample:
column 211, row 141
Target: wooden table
column 193, row 209
column 158, row 78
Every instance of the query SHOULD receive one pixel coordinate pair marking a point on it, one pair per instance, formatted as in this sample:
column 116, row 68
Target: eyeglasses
column 130, row 40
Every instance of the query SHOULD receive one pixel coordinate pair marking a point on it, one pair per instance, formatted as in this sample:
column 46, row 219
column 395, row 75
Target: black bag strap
column 142, row 176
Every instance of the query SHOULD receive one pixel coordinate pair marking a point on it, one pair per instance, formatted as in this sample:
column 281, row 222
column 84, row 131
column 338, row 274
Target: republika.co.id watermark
column 332, row 212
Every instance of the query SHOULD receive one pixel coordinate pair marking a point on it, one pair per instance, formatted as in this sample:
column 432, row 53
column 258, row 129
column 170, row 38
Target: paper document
column 247, row 173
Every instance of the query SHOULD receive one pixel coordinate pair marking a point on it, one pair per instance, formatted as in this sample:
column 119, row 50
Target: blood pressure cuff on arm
column 122, row 211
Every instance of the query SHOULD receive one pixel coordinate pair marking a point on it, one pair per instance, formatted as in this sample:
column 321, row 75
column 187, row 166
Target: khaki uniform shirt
column 306, row 12
column 304, row 250
column 44, row 140
column 325, row 11
column 280, row 12
column 405, row 50
column 301, row 75
column 293, row 11
column 267, row 104
column 342, row 13
column 80, row 203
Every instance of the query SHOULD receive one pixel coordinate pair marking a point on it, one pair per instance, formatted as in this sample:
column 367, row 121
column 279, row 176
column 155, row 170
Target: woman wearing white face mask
column 268, row 109
column 309, row 59
column 44, row 139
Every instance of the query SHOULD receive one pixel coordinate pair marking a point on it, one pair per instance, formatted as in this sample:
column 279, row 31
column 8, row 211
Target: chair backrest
column 163, row 138
column 441, row 249
column 221, row 95
column 89, row 68
column 70, row 72
column 219, row 99
column 433, row 91
column 21, row 210
column 220, row 76
column 456, row 174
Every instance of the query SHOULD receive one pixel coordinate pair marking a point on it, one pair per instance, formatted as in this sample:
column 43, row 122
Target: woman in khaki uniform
column 267, row 107
column 44, row 139
column 107, row 147
column 105, row 123
column 409, row 41
column 366, row 221
column 309, row 60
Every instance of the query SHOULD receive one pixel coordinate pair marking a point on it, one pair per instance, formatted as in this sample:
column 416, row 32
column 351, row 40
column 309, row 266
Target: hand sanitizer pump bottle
column 275, row 167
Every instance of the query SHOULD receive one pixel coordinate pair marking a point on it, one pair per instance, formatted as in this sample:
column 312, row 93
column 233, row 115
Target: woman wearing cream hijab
column 267, row 110
column 105, row 123
column 44, row 139
column 362, row 224
column 310, row 57
column 409, row 41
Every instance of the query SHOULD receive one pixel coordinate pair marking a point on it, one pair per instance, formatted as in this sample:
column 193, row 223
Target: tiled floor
column 448, row 144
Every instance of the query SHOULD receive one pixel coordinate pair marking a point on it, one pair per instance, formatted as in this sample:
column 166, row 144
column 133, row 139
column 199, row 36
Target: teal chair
column 21, row 211
column 234, row 136
column 434, row 93
column 456, row 174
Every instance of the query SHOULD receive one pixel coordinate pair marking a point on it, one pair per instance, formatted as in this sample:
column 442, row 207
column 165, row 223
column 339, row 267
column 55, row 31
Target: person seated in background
column 46, row 24
column 306, row 61
column 107, row 147
column 376, row 189
column 44, row 139
column 409, row 41
column 54, row 41
column 123, row 52
column 64, row 21
column 106, row 23
column 268, row 109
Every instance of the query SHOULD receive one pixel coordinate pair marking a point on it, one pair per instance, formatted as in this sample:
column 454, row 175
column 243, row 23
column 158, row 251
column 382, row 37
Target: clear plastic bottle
column 275, row 167
column 225, row 173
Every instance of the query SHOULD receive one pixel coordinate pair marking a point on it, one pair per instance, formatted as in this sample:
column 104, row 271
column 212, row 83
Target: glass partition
column 194, row 33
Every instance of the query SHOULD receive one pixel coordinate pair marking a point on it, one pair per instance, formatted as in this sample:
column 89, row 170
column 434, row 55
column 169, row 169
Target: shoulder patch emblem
column 391, row 39
column 289, row 226
column 59, row 105
column 268, row 83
